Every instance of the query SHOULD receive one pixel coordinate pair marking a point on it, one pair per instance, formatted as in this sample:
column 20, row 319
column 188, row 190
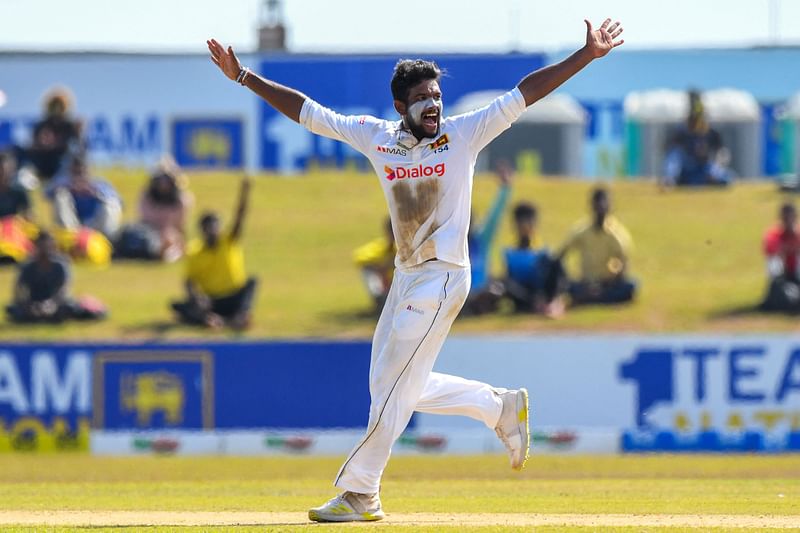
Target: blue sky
column 411, row 25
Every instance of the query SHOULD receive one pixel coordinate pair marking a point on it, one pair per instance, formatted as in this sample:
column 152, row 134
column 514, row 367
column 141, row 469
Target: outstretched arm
column 600, row 42
column 241, row 209
column 285, row 99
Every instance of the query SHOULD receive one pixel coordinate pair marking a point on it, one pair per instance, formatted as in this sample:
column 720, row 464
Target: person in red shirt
column 782, row 248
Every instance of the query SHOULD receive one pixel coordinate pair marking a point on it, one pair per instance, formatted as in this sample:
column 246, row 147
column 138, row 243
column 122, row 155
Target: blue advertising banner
column 359, row 85
column 678, row 393
column 700, row 397
column 45, row 398
column 148, row 389
column 673, row 393
column 208, row 142
column 183, row 386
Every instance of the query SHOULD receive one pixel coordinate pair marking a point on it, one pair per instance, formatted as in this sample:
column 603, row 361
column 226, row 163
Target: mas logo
column 420, row 171
column 394, row 150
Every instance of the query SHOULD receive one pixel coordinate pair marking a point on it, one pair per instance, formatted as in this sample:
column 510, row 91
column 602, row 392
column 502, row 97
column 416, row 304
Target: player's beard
column 413, row 118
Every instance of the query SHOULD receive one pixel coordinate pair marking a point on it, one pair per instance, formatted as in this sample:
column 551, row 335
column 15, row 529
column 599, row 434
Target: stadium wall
column 139, row 106
column 588, row 394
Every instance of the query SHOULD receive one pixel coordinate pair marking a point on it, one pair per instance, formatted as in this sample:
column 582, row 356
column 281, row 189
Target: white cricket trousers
column 422, row 304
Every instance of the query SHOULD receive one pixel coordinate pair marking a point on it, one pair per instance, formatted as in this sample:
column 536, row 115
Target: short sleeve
column 24, row 276
column 572, row 240
column 623, row 238
column 481, row 126
column 62, row 276
column 772, row 243
column 357, row 131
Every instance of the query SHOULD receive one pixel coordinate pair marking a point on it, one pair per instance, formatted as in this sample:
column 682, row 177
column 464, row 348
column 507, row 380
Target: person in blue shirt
column 696, row 155
column 535, row 280
column 82, row 200
column 484, row 292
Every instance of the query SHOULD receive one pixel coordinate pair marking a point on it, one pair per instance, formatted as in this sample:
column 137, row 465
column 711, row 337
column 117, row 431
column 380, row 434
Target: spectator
column 217, row 287
column 782, row 248
column 376, row 260
column 696, row 155
column 603, row 245
column 484, row 292
column 86, row 201
column 534, row 280
column 15, row 214
column 41, row 293
column 163, row 207
column 14, row 199
column 56, row 136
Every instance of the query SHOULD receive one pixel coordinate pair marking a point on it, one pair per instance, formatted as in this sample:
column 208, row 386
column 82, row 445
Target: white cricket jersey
column 428, row 187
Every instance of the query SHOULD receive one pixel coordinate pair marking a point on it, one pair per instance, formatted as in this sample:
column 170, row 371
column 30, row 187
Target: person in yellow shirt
column 218, row 289
column 603, row 245
column 376, row 260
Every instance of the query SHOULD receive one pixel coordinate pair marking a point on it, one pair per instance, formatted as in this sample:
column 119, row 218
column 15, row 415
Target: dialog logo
column 419, row 171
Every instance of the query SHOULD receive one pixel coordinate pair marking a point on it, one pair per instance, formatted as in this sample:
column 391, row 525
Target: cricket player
column 425, row 164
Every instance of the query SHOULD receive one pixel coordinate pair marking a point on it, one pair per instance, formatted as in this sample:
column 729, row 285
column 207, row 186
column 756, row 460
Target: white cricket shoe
column 349, row 507
column 512, row 428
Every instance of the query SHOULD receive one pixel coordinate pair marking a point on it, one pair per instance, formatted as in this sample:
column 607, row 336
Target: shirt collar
column 407, row 140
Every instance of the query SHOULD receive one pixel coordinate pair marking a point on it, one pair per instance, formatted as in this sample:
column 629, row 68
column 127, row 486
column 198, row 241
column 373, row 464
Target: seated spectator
column 217, row 287
column 41, row 293
column 160, row 232
column 484, row 292
column 534, row 280
column 696, row 155
column 603, row 245
column 782, row 248
column 15, row 214
column 83, row 201
column 376, row 260
column 14, row 199
column 56, row 137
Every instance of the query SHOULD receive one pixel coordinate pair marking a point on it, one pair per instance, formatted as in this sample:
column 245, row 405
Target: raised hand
column 602, row 40
column 226, row 60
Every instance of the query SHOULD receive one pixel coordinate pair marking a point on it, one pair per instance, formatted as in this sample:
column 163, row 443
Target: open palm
column 601, row 41
column 226, row 60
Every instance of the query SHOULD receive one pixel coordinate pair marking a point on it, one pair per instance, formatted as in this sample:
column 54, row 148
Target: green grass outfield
column 420, row 493
column 697, row 256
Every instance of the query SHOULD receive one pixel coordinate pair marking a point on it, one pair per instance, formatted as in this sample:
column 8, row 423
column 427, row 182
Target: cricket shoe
column 349, row 507
column 512, row 428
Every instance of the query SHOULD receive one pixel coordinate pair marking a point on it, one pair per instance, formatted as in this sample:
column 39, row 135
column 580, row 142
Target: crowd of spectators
column 87, row 215
column 86, row 225
column 535, row 279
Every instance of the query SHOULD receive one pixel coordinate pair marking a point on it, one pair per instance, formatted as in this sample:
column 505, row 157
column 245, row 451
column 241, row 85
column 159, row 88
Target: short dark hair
column 524, row 211
column 788, row 207
column 43, row 238
column 207, row 218
column 598, row 193
column 409, row 72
